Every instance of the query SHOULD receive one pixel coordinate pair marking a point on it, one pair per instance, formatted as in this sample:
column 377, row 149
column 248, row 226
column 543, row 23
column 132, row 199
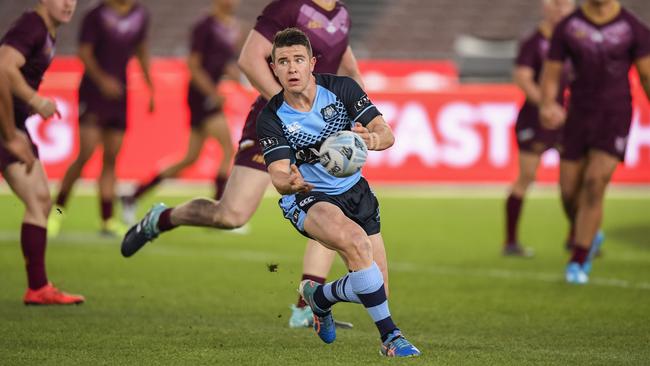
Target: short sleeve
column 23, row 37
column 641, row 46
column 527, row 55
column 271, row 137
column 558, row 51
column 90, row 31
column 198, row 39
column 276, row 16
column 356, row 101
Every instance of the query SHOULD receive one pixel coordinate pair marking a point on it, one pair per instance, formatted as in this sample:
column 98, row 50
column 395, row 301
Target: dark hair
column 290, row 37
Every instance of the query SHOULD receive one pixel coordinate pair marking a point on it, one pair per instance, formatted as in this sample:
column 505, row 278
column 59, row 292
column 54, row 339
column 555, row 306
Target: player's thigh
column 32, row 188
column 328, row 224
column 89, row 137
column 244, row 191
column 528, row 163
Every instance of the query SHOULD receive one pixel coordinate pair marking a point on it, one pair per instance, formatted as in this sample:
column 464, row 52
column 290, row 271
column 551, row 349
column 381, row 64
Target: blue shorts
column 358, row 203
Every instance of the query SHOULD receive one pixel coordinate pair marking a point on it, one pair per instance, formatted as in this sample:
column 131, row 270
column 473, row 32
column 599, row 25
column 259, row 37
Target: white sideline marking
column 90, row 238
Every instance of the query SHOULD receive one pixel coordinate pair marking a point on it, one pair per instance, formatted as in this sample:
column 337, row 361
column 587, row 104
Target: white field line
column 253, row 256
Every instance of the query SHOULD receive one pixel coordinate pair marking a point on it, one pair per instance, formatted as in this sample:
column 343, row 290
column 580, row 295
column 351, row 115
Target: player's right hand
column 111, row 88
column 20, row 147
column 297, row 182
column 552, row 115
column 45, row 107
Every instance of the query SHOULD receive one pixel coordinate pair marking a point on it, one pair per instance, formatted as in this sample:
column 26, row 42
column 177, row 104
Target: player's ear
column 312, row 63
column 273, row 68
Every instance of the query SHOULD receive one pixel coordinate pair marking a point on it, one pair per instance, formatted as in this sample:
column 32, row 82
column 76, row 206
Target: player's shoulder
column 531, row 37
column 629, row 16
column 274, row 104
column 203, row 21
column 30, row 23
column 576, row 14
column 331, row 81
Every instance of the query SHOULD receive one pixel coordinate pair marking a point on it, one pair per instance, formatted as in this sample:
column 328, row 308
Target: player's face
column 556, row 10
column 293, row 67
column 60, row 10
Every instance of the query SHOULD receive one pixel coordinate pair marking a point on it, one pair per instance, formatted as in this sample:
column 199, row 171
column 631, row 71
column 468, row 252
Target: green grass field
column 200, row 296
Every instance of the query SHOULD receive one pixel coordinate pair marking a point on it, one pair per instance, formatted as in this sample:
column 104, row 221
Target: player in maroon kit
column 602, row 40
column 214, row 47
column 26, row 51
column 327, row 24
column 532, row 138
column 111, row 33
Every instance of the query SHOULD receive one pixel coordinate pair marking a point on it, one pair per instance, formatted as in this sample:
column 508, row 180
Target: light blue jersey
column 286, row 133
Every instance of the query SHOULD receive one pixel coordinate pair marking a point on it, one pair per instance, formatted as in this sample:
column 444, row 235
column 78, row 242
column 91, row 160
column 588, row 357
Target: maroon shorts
column 250, row 152
column 96, row 110
column 7, row 158
column 595, row 129
column 531, row 136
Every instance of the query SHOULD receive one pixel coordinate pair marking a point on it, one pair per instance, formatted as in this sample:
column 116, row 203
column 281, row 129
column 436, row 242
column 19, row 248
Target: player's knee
column 230, row 218
column 357, row 245
column 594, row 188
column 42, row 203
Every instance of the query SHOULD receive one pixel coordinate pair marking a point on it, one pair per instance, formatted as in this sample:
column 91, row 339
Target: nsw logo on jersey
column 329, row 113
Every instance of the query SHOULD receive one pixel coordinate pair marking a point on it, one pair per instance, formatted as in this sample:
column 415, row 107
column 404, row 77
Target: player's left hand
column 371, row 139
column 297, row 182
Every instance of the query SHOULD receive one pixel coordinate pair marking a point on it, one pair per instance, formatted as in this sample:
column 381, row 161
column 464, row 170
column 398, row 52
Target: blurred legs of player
column 596, row 172
column 528, row 163
column 90, row 136
column 31, row 188
column 214, row 126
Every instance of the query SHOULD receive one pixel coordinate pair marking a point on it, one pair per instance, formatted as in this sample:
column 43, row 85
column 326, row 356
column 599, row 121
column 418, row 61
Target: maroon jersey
column 601, row 55
column 114, row 38
column 29, row 36
column 217, row 45
column 327, row 30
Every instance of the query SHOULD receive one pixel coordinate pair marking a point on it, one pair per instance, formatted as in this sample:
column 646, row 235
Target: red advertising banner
column 445, row 132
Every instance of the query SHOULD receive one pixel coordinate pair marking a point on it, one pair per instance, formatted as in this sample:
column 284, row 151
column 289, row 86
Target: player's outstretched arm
column 551, row 113
column 253, row 63
column 200, row 79
column 643, row 67
column 142, row 54
column 350, row 67
column 286, row 178
column 524, row 78
column 11, row 60
column 13, row 140
column 377, row 134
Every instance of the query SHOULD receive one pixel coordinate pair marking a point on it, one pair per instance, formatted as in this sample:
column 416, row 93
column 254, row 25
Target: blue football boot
column 323, row 319
column 397, row 346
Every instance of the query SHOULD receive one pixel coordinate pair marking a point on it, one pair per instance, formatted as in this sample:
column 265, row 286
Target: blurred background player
column 327, row 24
column 26, row 51
column 533, row 139
column 111, row 33
column 602, row 40
column 214, row 46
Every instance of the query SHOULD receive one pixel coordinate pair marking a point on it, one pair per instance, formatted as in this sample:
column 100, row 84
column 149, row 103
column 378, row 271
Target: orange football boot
column 50, row 295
